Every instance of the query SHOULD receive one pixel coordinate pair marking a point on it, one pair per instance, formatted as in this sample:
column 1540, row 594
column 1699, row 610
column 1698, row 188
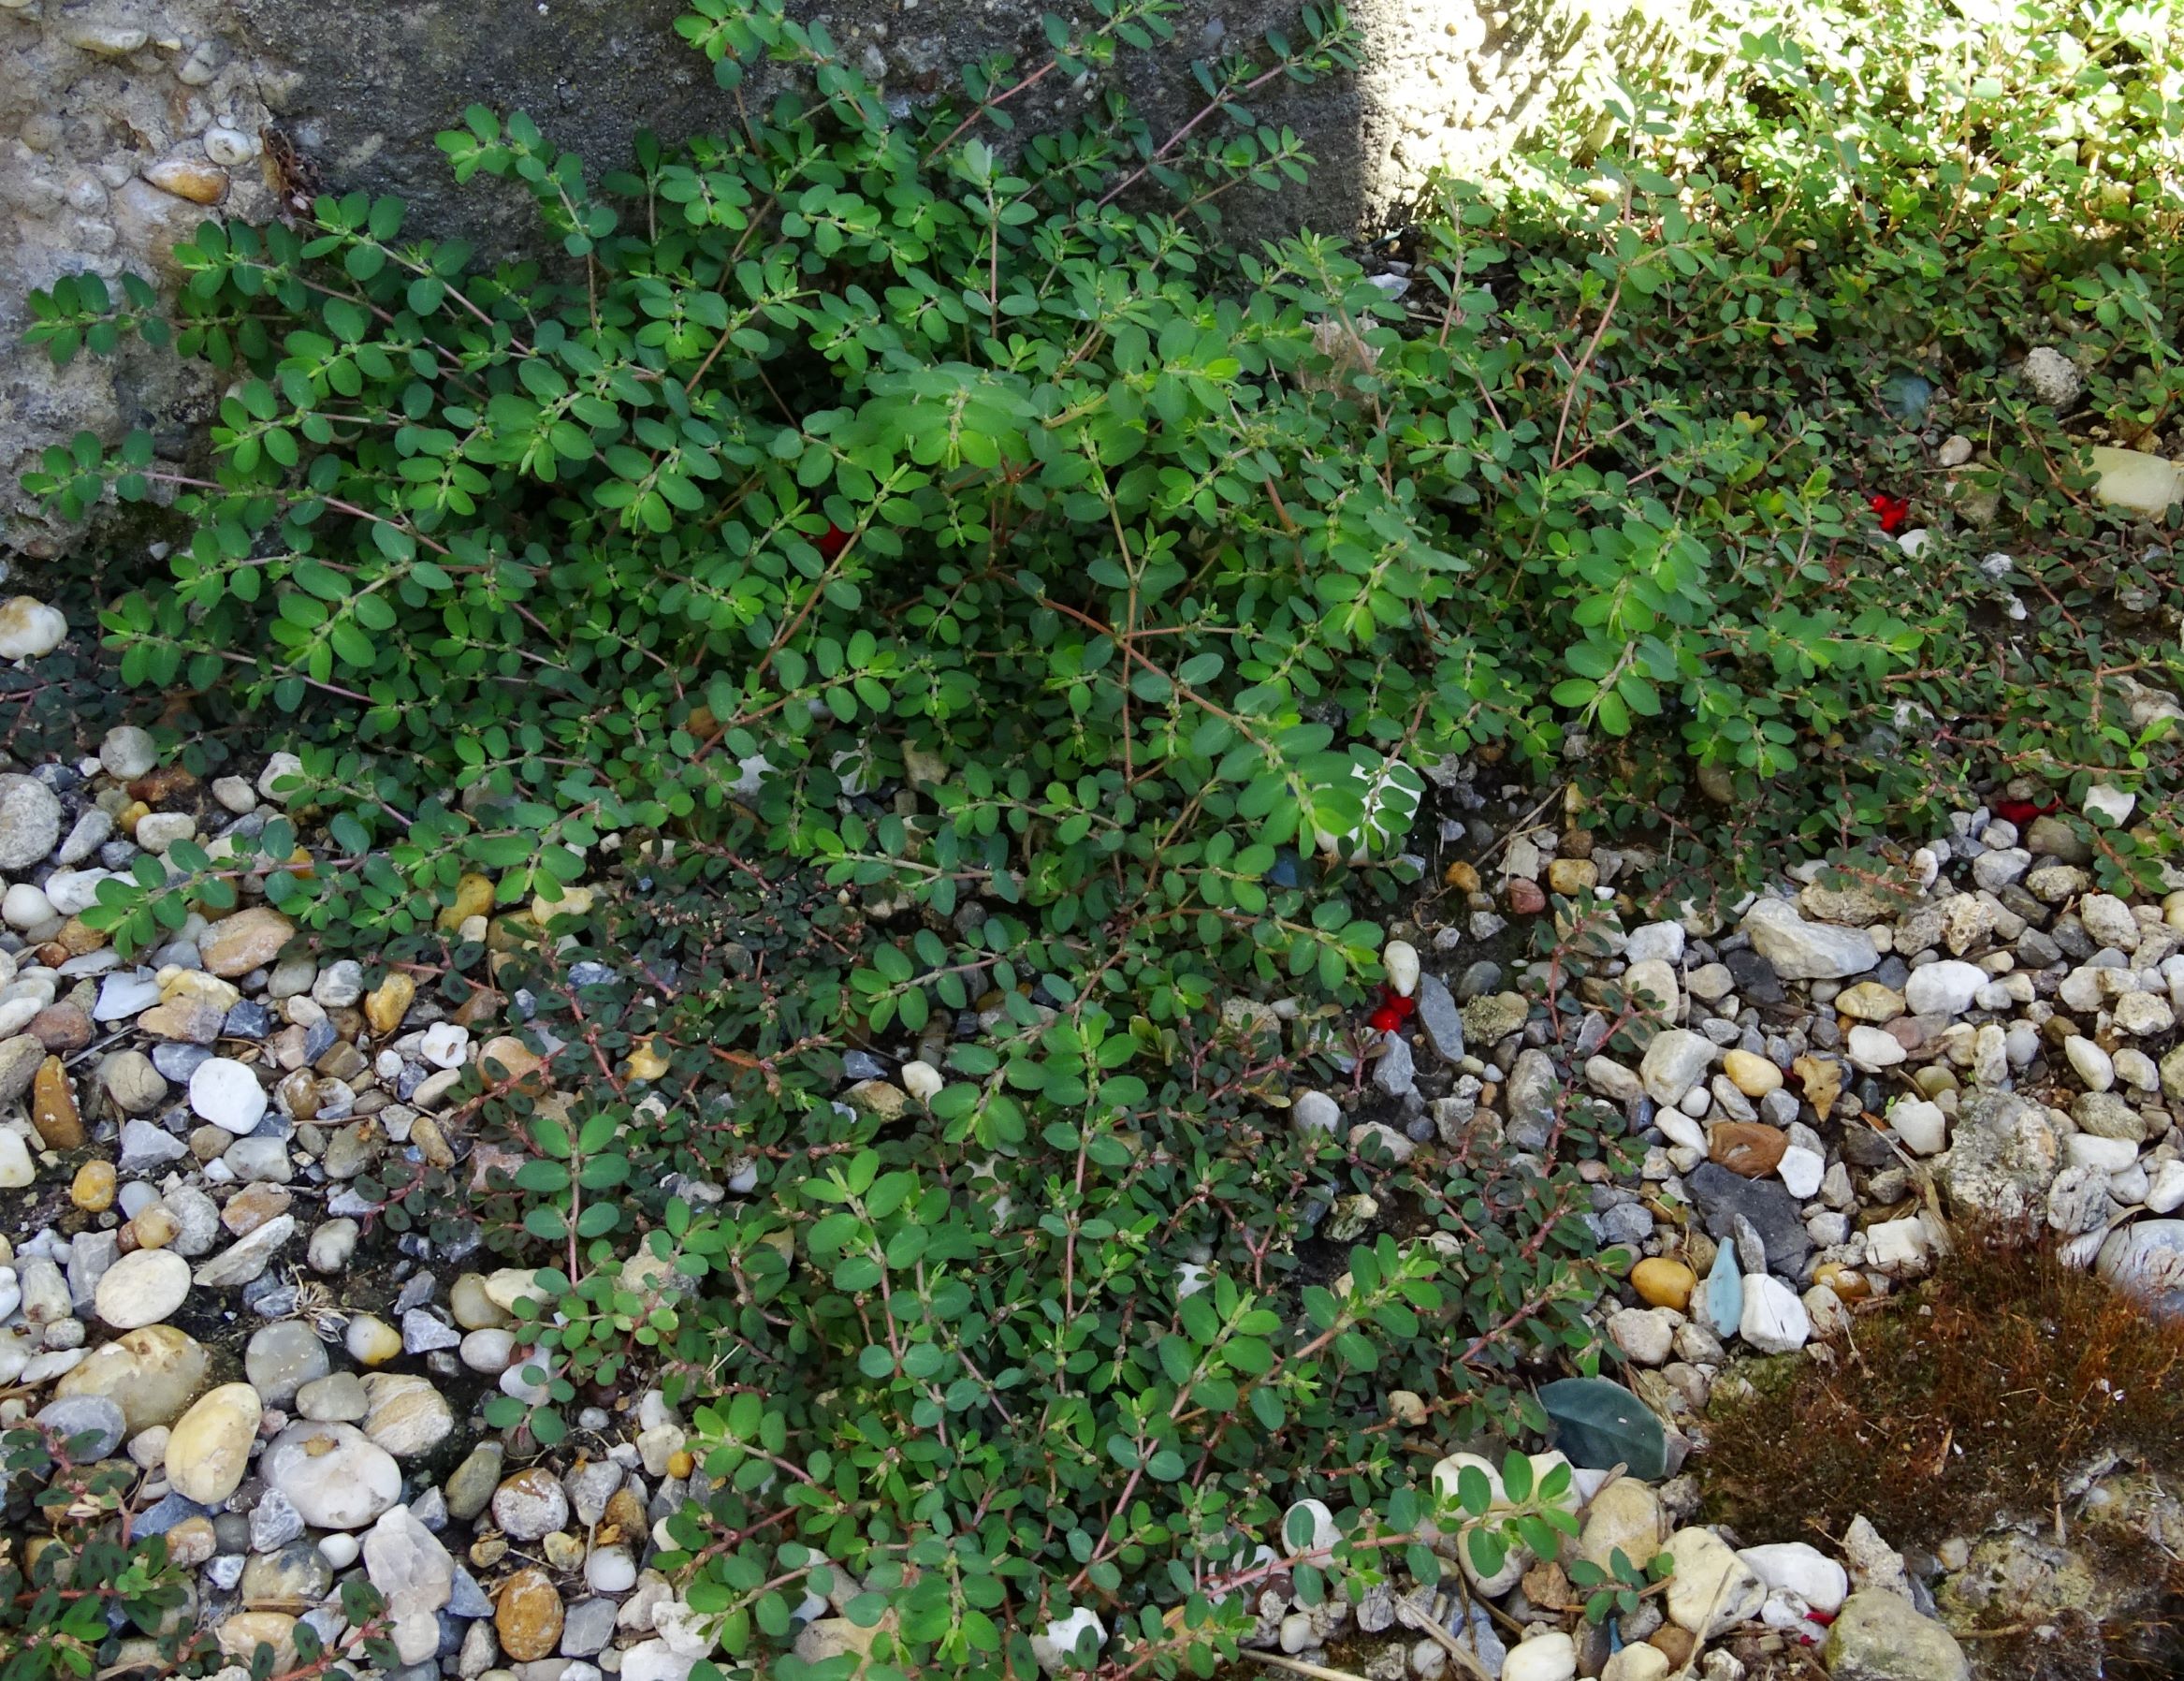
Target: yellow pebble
column 1569, row 876
column 1664, row 1281
column 679, row 1464
column 647, row 1062
column 1754, row 1076
column 126, row 819
column 473, row 897
column 195, row 986
column 574, row 901
column 92, row 1189
column 389, row 1002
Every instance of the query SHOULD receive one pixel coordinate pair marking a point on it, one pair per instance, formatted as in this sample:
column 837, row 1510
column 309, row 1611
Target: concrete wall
column 123, row 123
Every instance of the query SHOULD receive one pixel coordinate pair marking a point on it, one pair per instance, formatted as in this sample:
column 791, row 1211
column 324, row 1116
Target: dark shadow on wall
column 368, row 89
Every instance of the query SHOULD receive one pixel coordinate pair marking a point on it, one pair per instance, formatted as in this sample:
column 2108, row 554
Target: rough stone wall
column 123, row 123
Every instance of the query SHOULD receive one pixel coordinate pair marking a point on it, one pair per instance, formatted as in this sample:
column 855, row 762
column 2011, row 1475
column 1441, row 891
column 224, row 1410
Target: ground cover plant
column 880, row 588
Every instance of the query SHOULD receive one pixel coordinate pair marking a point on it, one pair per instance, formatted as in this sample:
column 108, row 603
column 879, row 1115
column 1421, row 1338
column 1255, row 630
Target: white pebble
column 445, row 1044
column 1400, row 958
column 1316, row 1112
column 227, row 1093
column 16, row 1167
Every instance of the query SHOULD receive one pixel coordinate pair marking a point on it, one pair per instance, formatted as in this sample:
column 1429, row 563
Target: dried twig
column 1298, row 1666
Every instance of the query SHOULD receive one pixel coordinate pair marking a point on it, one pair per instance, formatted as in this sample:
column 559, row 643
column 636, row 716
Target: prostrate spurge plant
column 942, row 594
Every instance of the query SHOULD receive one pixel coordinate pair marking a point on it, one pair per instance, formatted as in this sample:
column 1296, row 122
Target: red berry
column 833, row 542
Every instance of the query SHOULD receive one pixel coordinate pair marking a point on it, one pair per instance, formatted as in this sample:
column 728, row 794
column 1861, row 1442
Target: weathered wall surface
column 124, row 122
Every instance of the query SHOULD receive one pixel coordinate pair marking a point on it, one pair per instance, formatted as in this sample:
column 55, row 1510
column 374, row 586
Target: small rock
column 93, row 1415
column 472, row 1483
column 1664, row 1281
column 247, row 1259
column 1773, row 1320
column 1747, row 1147
column 2054, row 377
column 132, row 1082
column 527, row 1615
column 389, row 1003
column 142, row 1288
column 1644, row 1334
column 530, row 1504
column 1754, row 1076
column 248, row 940
column 2147, row 1258
column 1626, row 1516
column 1874, row 1049
column 2136, row 481
column 16, row 1167
column 1399, row 957
column 153, row 1373
column 1713, row 1590
column 210, row 1446
column 1795, row 1567
column 1674, row 1062
column 1944, row 988
column 1550, row 1656
column 227, row 1093
column 30, row 817
column 1921, row 1126
column 1053, row 1644
column 1807, row 951
column 408, row 1416
column 1879, row 1636
column 332, row 1473
column 282, row 1358
column 29, row 629
column 415, row 1576
column 1438, row 1015
column 1315, row 1112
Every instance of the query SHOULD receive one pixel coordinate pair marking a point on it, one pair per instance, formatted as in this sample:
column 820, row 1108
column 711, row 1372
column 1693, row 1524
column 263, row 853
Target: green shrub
column 959, row 607
column 71, row 1574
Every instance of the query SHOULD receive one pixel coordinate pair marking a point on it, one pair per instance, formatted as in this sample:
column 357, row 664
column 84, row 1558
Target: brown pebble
column 252, row 1206
column 80, row 939
column 1525, row 897
column 528, row 1617
column 158, row 786
column 431, row 1141
column 1747, row 1147
column 61, row 1028
column 53, row 1107
column 1462, row 877
column 626, row 1512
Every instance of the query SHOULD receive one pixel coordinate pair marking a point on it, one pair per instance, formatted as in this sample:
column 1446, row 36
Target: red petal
column 1894, row 511
column 1384, row 1020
